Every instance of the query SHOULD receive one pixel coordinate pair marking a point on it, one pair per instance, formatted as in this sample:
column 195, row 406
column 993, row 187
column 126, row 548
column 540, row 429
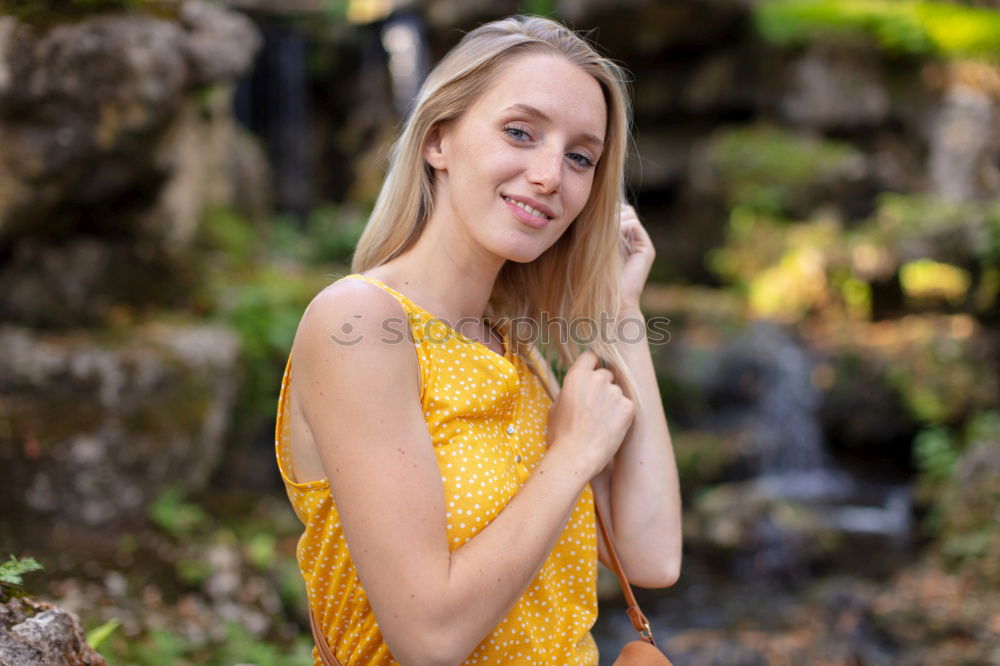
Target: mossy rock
column 99, row 425
column 773, row 171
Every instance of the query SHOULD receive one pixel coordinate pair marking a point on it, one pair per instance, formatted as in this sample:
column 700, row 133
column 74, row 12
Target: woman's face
column 517, row 167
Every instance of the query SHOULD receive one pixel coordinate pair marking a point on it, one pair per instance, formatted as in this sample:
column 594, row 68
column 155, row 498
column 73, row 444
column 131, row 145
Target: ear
column 434, row 151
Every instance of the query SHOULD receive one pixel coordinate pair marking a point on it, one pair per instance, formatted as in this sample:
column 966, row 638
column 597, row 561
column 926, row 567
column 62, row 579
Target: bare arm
column 362, row 404
column 640, row 491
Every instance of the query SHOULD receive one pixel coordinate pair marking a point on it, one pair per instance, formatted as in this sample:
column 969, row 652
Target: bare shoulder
column 349, row 343
column 349, row 314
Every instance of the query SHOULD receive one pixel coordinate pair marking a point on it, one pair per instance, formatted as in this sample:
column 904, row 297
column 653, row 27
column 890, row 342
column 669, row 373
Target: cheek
column 578, row 191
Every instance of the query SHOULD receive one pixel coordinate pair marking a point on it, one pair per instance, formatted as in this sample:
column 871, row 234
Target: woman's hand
column 637, row 256
column 590, row 416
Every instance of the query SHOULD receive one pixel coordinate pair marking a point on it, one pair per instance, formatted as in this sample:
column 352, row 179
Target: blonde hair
column 577, row 278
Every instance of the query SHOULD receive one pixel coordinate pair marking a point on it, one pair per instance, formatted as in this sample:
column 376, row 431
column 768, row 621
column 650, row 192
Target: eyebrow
column 534, row 111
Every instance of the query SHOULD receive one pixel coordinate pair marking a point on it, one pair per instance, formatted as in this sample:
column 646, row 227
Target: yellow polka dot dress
column 486, row 415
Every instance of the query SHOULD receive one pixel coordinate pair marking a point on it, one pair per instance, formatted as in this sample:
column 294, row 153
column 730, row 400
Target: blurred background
column 821, row 180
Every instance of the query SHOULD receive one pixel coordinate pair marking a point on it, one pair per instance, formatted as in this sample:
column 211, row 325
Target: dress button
column 510, row 430
column 517, row 459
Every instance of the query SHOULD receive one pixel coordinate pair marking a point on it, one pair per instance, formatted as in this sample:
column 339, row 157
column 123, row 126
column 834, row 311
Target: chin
column 523, row 255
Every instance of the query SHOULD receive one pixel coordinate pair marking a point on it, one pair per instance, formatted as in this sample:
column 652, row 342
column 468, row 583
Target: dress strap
column 408, row 305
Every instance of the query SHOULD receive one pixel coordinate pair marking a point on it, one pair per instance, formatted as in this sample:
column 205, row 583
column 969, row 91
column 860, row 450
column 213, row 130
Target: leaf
column 98, row 635
column 12, row 570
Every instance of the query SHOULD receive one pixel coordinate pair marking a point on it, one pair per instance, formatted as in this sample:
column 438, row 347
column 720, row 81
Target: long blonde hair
column 575, row 280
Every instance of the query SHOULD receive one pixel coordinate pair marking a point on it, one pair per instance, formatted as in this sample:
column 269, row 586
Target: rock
column 963, row 143
column 97, row 427
column 833, row 88
column 89, row 109
column 662, row 160
column 755, row 384
column 220, row 43
column 118, row 136
column 81, row 280
column 762, row 536
column 724, row 82
column 705, row 457
column 862, row 413
column 34, row 632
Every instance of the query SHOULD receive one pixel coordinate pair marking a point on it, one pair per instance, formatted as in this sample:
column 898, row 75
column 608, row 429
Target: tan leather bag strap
column 635, row 614
column 325, row 653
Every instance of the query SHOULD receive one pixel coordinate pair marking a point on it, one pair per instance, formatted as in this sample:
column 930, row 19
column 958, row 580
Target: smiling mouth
column 526, row 207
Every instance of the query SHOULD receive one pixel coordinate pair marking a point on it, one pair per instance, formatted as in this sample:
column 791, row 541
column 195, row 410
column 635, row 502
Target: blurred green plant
column 261, row 277
column 158, row 648
column 161, row 647
column 538, row 7
column 12, row 574
column 943, row 253
column 929, row 280
column 260, row 550
column 898, row 26
column 940, row 373
column 935, row 452
column 767, row 170
column 176, row 516
column 240, row 647
column 50, row 12
column 328, row 235
column 957, row 232
column 959, row 482
column 97, row 635
column 787, row 270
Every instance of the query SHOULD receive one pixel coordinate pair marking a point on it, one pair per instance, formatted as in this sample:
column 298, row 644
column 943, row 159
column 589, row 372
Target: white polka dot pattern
column 486, row 414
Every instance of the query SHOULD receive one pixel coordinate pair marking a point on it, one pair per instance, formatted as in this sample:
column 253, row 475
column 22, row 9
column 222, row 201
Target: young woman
column 448, row 502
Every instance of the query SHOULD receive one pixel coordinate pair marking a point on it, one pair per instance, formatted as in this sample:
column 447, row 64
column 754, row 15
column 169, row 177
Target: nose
column 545, row 169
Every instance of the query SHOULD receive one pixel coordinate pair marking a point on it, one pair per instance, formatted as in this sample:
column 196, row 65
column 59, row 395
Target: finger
column 588, row 360
column 606, row 373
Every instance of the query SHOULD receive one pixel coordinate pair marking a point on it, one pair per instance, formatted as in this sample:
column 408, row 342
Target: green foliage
column 49, row 12
column 984, row 426
column 98, row 635
column 941, row 375
column 175, row 516
column 261, row 551
column 763, row 169
column 193, row 571
column 264, row 308
column 935, row 453
column 960, row 482
column 329, row 235
column 291, row 587
column 538, row 7
column 898, row 26
column 13, row 570
column 957, row 231
column 933, row 280
column 241, row 648
column 161, row 647
column 261, row 278
column 231, row 236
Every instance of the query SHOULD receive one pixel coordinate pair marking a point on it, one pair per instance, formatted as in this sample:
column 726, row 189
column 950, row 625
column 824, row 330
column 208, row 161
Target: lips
column 528, row 211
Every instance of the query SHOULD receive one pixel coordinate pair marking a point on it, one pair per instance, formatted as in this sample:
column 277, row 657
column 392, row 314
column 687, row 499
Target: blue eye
column 581, row 160
column 517, row 133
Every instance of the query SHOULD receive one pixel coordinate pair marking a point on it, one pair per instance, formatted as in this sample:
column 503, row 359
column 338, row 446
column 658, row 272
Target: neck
column 445, row 272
